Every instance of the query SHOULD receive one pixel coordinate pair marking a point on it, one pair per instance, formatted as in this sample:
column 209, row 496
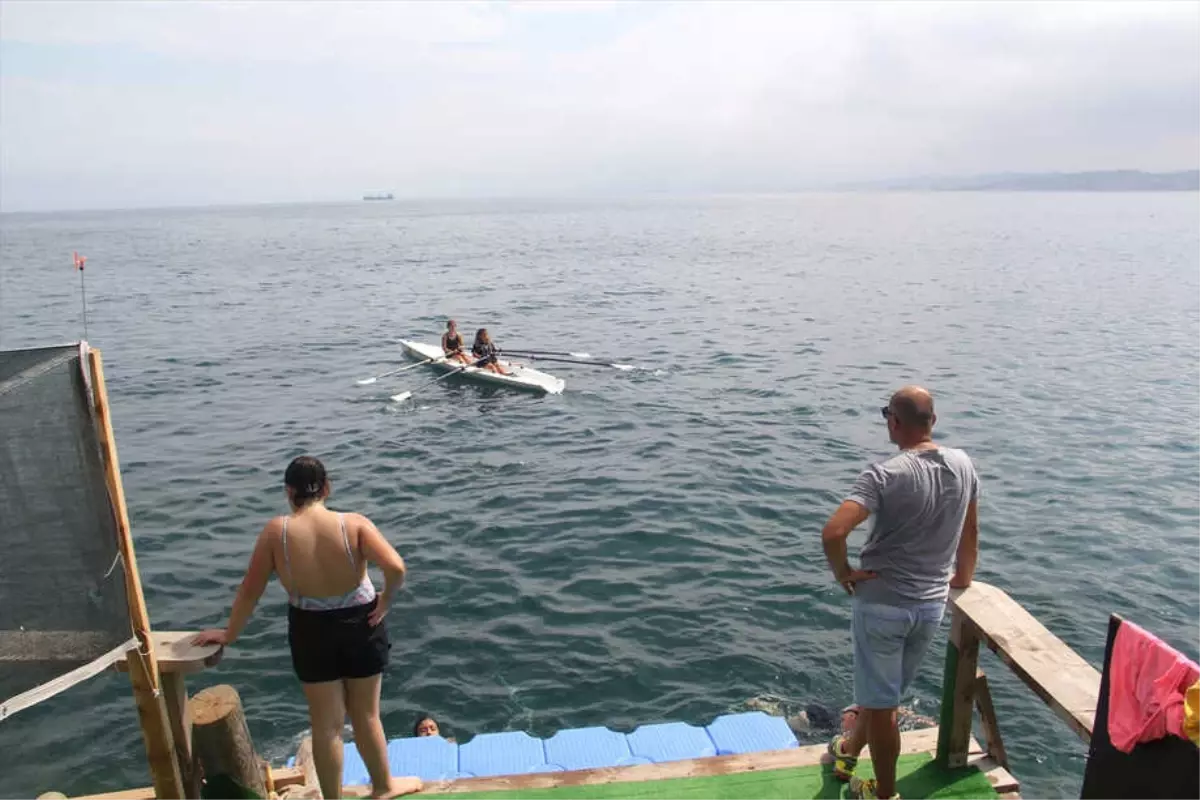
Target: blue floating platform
column 430, row 758
column 671, row 741
column 433, row 758
column 751, row 732
column 590, row 748
column 509, row 753
column 354, row 771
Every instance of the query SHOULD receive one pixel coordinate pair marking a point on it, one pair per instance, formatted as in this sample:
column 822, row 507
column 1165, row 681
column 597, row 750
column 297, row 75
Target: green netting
column 64, row 615
column 918, row 776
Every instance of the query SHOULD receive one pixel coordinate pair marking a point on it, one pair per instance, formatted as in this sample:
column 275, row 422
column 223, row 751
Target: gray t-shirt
column 918, row 501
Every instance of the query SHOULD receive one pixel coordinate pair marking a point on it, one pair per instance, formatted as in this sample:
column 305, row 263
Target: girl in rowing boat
column 484, row 348
column 338, row 641
column 452, row 344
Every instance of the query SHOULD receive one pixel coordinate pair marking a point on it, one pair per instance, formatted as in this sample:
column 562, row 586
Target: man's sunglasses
column 887, row 413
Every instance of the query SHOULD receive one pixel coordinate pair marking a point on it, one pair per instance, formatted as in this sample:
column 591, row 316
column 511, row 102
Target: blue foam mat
column 671, row 741
column 751, row 732
column 354, row 771
column 508, row 753
column 516, row 752
column 589, row 748
column 430, row 758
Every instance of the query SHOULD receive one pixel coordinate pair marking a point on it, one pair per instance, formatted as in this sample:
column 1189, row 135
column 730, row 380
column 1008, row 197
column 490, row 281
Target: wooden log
column 958, row 692
column 987, row 718
column 222, row 744
column 143, row 671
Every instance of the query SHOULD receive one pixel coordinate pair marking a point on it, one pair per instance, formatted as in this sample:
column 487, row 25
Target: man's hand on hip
column 853, row 577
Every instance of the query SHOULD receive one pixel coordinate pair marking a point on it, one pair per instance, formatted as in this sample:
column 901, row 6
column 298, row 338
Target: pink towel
column 1147, row 679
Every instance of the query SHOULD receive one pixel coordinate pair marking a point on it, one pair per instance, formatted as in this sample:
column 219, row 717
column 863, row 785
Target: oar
column 535, row 357
column 366, row 381
column 400, row 398
column 551, row 353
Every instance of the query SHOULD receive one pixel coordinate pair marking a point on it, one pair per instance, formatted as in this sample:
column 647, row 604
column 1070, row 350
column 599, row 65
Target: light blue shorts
column 889, row 644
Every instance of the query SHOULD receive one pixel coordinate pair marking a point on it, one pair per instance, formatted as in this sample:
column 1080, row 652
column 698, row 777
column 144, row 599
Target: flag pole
column 79, row 262
column 83, row 295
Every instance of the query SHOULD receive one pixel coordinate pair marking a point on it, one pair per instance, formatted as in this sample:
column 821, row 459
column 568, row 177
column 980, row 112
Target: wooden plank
column 146, row 793
column 1056, row 673
column 282, row 776
column 177, row 654
column 999, row 777
column 987, row 718
column 143, row 672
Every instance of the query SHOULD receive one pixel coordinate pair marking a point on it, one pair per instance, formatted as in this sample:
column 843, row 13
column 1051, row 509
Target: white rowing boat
column 522, row 377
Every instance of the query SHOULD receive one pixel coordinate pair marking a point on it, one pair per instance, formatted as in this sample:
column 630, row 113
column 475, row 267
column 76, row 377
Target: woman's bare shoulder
column 274, row 528
column 358, row 521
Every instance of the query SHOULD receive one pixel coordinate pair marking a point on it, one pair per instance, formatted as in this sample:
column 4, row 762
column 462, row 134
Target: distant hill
column 1122, row 180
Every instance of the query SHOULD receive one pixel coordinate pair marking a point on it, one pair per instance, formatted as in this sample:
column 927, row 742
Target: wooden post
column 222, row 744
column 958, row 692
column 987, row 718
column 143, row 666
column 175, row 693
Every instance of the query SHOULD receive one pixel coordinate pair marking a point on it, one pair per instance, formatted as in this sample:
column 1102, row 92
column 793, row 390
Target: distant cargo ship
column 387, row 196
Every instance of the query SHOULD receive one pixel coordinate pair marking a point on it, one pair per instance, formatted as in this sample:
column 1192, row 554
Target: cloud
column 203, row 102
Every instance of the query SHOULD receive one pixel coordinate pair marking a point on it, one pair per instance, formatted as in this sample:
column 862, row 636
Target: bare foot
column 400, row 786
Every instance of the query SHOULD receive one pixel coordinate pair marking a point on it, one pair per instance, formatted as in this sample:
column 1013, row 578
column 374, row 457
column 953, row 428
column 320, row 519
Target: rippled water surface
column 645, row 546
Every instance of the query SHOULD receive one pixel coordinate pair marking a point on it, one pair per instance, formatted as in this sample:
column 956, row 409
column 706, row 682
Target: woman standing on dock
column 338, row 641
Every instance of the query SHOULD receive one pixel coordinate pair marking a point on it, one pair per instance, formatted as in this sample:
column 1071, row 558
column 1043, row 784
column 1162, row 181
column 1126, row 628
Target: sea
column 645, row 546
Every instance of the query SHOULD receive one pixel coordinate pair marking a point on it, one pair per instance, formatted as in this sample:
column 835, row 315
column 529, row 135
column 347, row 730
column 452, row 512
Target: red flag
column 79, row 261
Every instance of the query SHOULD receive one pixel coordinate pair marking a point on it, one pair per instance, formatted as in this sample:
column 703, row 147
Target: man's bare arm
column 833, row 539
column 968, row 549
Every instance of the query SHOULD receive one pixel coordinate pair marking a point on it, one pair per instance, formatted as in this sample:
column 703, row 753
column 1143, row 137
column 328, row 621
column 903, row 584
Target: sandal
column 844, row 764
column 866, row 789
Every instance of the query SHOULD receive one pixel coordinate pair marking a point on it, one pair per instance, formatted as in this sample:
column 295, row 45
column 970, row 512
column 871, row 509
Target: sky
column 143, row 104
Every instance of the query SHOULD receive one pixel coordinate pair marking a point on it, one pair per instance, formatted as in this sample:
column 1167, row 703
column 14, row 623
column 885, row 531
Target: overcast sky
column 146, row 104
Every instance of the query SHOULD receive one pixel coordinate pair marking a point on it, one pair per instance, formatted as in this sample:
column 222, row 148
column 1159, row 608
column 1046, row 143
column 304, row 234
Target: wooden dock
column 981, row 614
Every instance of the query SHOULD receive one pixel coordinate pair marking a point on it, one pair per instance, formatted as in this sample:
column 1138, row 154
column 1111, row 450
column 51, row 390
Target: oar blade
column 400, row 398
column 623, row 367
column 580, row 355
column 366, row 381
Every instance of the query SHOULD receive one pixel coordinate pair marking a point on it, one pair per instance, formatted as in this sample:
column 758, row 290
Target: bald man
column 925, row 540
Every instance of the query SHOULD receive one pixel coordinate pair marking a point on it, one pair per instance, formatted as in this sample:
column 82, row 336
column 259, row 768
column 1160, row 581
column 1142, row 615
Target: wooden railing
column 1056, row 673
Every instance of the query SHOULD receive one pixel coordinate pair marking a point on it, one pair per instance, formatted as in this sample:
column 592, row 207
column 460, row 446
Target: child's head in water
column 426, row 726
